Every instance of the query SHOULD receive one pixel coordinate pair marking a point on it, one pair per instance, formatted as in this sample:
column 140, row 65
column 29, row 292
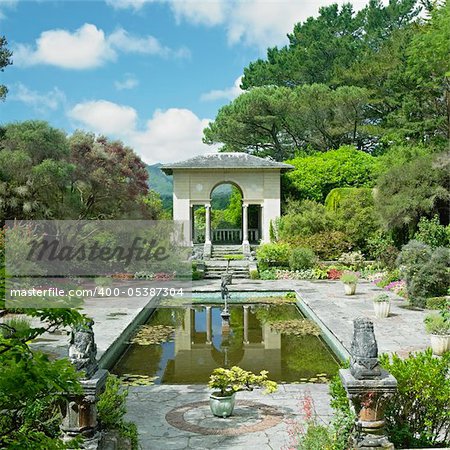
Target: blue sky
column 152, row 73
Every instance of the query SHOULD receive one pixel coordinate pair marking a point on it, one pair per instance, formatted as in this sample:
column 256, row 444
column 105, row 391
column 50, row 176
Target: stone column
column 246, row 309
column 368, row 387
column 208, row 324
column 245, row 243
column 208, row 245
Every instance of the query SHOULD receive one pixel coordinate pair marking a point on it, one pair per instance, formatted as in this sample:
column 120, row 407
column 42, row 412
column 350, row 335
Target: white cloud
column 129, row 82
column 105, row 117
column 226, row 94
column 168, row 135
column 210, row 13
column 40, row 102
column 87, row 47
column 7, row 4
column 258, row 23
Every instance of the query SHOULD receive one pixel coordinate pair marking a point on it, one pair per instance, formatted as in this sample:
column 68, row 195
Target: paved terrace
column 177, row 417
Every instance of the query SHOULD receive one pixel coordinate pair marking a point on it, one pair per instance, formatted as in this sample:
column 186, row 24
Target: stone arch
column 258, row 179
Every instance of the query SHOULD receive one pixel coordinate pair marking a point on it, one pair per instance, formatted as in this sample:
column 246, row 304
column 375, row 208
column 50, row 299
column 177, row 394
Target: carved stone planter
column 350, row 288
column 440, row 343
column 368, row 387
column 382, row 309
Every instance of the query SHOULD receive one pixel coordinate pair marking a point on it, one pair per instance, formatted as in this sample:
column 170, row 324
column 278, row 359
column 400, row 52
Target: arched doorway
column 258, row 179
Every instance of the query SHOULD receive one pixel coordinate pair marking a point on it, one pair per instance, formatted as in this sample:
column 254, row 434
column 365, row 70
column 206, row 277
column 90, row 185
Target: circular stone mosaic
column 248, row 417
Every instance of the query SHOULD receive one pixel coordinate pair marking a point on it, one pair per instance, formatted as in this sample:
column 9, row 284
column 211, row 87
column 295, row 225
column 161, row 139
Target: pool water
column 201, row 341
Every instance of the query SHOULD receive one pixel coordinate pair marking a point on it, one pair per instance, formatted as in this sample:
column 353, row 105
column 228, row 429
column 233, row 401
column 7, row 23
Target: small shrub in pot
column 382, row 305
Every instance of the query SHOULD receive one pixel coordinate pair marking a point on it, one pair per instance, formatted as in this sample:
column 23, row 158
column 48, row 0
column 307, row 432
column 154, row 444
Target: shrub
column 437, row 324
column 268, row 274
column 304, row 218
column 425, row 271
column 302, row 258
column 438, row 303
column 418, row 415
column 382, row 248
column 273, row 255
column 349, row 278
column 111, row 410
column 355, row 260
column 254, row 274
column 327, row 245
column 432, row 233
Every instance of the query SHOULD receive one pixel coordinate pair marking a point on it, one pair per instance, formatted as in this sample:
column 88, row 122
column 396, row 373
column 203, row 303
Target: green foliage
column 353, row 260
column 267, row 274
column 438, row 303
column 276, row 121
column 111, row 409
column 418, row 188
column 45, row 175
column 254, row 274
column 432, row 233
column 315, row 176
column 302, row 258
column 334, row 198
column 381, row 298
column 437, row 324
column 5, row 60
column 425, row 271
column 273, row 255
column 327, row 245
column 381, row 247
column 304, row 218
column 349, row 278
column 32, row 387
column 418, row 415
column 229, row 381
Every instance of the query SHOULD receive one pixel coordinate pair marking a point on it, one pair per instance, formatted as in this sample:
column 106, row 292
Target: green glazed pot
column 222, row 406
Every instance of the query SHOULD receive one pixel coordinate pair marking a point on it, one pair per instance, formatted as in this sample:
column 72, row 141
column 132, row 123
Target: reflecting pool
column 186, row 343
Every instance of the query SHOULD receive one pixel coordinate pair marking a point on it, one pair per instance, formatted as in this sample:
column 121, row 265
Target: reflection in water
column 202, row 341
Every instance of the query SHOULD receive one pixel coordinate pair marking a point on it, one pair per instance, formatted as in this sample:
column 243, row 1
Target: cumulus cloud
column 87, row 47
column 105, row 117
column 168, row 136
column 129, row 82
column 258, row 23
column 223, row 94
column 40, row 102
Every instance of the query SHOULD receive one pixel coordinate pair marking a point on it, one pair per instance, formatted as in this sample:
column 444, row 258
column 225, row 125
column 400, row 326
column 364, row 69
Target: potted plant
column 382, row 305
column 227, row 382
column 350, row 280
column 438, row 327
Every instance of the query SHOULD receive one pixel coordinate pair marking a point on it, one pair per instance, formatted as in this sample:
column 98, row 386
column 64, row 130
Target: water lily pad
column 137, row 380
column 296, row 327
column 153, row 334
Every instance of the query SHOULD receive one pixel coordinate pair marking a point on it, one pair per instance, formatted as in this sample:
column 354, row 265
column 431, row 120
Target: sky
column 152, row 73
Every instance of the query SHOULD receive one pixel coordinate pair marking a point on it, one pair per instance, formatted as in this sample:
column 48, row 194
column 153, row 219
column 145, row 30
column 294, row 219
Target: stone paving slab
column 148, row 406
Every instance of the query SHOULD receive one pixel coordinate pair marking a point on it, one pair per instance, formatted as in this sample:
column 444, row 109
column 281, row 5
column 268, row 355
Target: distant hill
column 163, row 184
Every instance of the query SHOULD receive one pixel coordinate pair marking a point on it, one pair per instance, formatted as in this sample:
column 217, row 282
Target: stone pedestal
column 369, row 398
column 80, row 418
column 368, row 387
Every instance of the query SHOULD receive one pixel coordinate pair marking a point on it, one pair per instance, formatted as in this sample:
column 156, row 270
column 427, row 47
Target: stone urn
column 222, row 406
column 382, row 309
column 440, row 343
column 350, row 288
